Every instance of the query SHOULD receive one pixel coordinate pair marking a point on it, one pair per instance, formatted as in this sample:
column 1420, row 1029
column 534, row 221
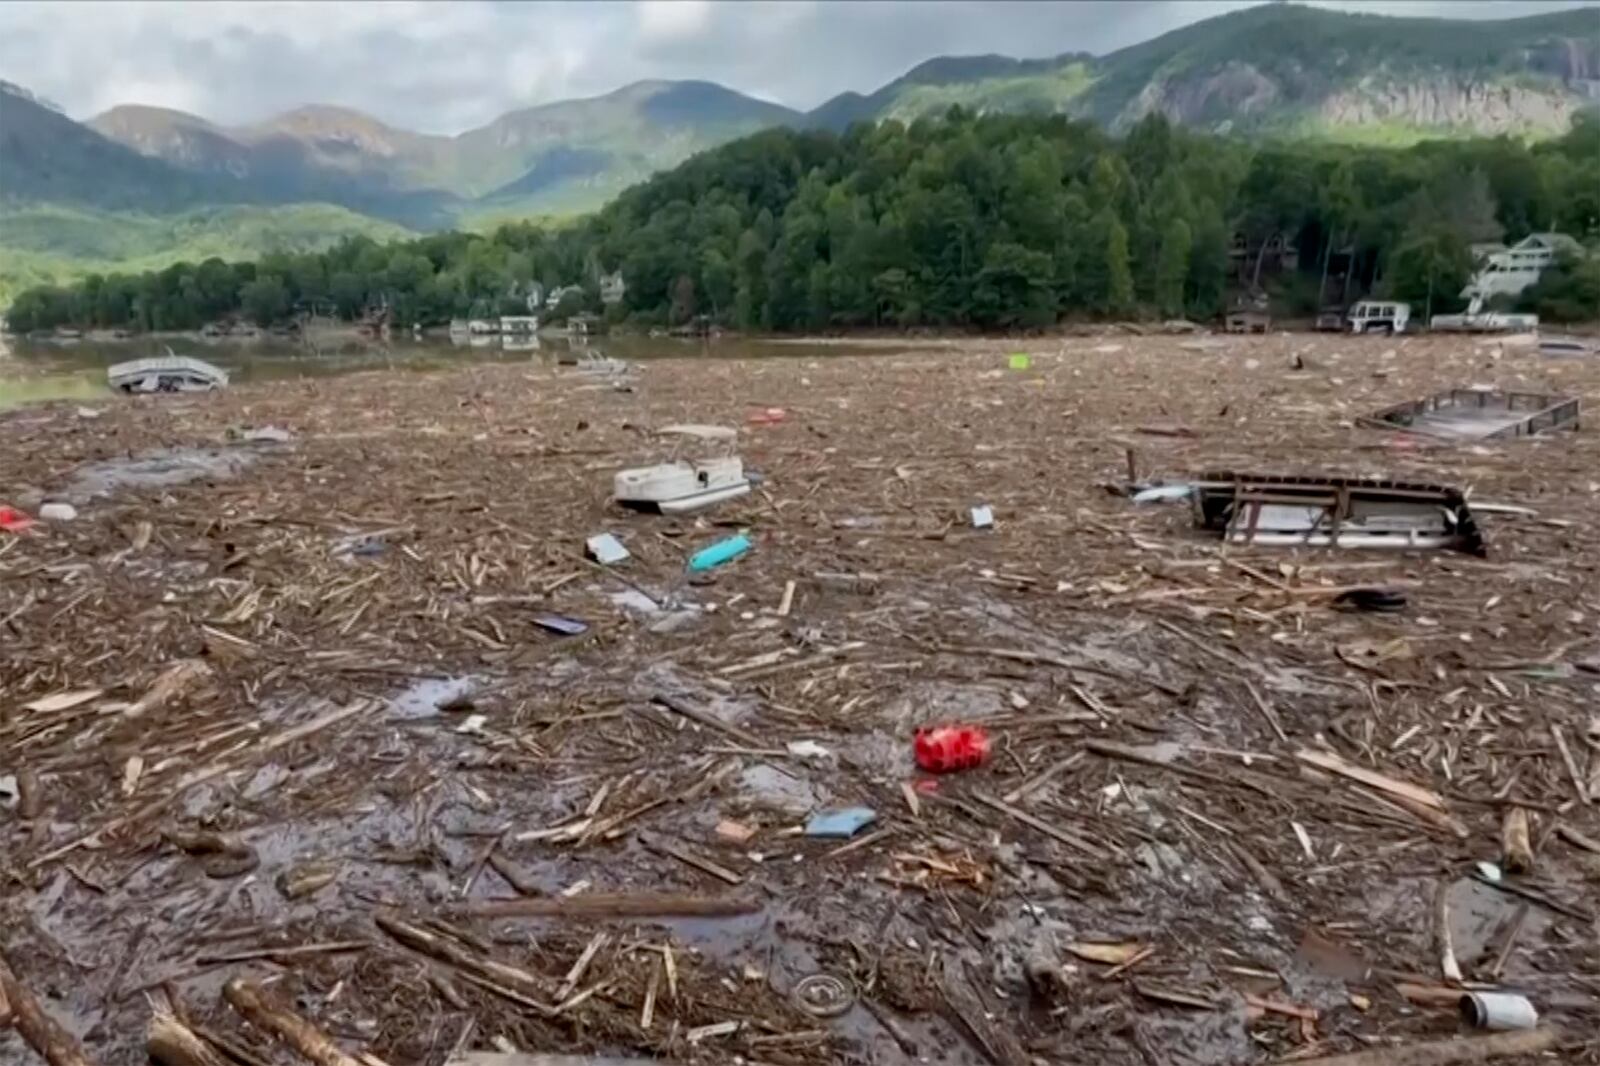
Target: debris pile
column 399, row 741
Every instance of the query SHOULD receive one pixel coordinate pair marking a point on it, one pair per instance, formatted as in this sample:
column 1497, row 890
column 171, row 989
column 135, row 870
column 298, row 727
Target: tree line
column 994, row 222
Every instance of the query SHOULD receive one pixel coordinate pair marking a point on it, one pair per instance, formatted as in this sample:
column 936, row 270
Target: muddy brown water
column 40, row 371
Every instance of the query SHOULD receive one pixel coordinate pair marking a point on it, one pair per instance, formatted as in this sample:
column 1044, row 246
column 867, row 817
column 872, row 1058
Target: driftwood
column 535, row 1058
column 1332, row 763
column 37, row 1029
column 1105, row 650
column 172, row 1043
column 1516, row 846
column 1449, row 1052
column 311, row 1043
column 613, row 905
column 512, row 983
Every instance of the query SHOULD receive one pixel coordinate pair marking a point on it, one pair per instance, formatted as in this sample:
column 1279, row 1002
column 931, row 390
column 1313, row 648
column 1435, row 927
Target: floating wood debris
column 299, row 726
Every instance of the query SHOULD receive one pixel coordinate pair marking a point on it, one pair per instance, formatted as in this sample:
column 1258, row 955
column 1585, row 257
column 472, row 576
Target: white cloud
column 446, row 66
column 670, row 19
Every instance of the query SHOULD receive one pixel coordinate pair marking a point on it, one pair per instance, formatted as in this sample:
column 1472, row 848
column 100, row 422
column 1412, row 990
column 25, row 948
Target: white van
column 1374, row 316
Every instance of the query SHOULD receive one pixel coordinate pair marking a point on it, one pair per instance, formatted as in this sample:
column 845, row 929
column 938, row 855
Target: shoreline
column 865, row 338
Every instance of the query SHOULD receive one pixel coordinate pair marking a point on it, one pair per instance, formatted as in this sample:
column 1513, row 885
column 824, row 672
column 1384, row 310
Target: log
column 1515, row 842
column 613, row 905
column 172, row 1043
column 1449, row 1052
column 38, row 1030
column 520, row 986
column 250, row 1000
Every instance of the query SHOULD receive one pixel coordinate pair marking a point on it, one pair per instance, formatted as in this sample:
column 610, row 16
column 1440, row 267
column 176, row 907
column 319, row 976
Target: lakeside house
column 612, row 288
column 1504, row 271
column 519, row 324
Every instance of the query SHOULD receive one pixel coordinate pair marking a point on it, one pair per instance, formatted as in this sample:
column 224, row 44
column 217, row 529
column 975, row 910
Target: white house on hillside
column 1507, row 271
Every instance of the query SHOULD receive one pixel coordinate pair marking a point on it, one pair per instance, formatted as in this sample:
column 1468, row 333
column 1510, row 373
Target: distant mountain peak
column 328, row 120
column 11, row 88
column 139, row 118
column 1276, row 69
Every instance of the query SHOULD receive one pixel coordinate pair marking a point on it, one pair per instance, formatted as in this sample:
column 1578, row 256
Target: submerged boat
column 167, row 373
column 595, row 363
column 1339, row 512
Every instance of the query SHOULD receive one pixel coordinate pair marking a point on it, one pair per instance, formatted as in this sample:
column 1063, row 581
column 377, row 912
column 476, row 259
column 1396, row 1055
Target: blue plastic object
column 841, row 823
column 719, row 553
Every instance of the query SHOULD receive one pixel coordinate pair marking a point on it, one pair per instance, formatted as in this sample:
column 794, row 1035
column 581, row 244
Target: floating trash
column 822, row 995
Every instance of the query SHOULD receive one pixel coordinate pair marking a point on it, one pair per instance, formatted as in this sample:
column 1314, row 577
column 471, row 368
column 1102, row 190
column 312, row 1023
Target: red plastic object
column 948, row 748
column 767, row 416
column 14, row 521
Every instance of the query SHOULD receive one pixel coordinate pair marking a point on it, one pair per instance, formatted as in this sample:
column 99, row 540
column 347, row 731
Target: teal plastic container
column 719, row 553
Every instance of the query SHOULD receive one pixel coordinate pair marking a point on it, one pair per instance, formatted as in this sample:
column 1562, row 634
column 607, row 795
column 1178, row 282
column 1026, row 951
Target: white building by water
column 1507, row 271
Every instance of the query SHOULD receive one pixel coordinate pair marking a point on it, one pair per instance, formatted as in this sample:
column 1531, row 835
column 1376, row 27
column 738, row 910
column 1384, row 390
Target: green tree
column 1430, row 267
column 1119, row 279
column 265, row 301
column 717, row 279
column 1172, row 268
column 1014, row 288
column 1208, row 261
column 994, row 220
column 683, row 305
column 571, row 303
column 1569, row 291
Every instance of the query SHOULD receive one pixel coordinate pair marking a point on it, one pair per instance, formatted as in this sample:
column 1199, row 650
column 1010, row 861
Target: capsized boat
column 167, row 373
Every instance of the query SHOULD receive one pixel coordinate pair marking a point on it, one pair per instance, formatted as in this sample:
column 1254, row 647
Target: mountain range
column 1279, row 70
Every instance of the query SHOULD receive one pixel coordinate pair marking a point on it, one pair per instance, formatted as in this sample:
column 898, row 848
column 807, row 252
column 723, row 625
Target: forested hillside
column 990, row 222
column 1284, row 69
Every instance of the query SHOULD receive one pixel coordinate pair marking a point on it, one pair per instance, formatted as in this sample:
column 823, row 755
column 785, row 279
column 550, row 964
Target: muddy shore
column 293, row 712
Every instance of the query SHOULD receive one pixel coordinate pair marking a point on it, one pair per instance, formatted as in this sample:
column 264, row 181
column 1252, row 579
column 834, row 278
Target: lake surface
column 36, row 371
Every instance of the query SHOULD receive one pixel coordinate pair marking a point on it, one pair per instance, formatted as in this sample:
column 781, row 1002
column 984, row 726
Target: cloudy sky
column 444, row 67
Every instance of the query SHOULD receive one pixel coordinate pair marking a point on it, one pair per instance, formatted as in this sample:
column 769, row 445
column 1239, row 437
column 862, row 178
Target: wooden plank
column 1335, row 764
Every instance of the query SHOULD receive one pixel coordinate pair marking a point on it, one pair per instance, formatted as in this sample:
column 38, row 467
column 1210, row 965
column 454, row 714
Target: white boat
column 685, row 485
column 168, row 373
column 595, row 363
column 681, row 487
